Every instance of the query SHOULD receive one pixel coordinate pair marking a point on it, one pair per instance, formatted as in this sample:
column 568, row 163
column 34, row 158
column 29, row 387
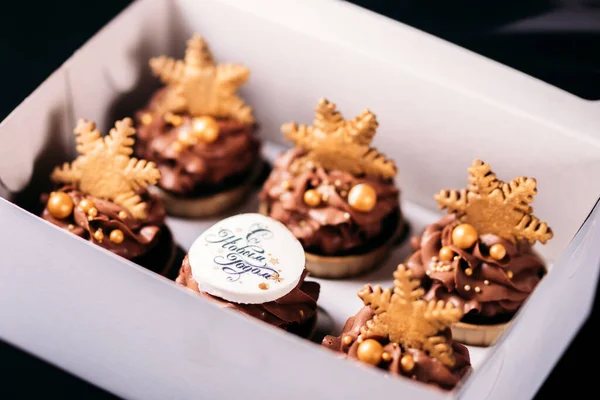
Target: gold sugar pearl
column 86, row 205
column 116, row 236
column 468, row 271
column 92, row 212
column 497, row 251
column 70, row 227
column 99, row 235
column 486, row 282
column 477, row 289
column 146, row 119
column 467, row 287
column 446, row 253
column 312, row 198
column 509, row 274
column 407, row 363
column 347, row 216
column 347, row 340
column 186, row 137
column 337, row 183
column 464, row 236
column 387, row 357
column 370, row 351
column 206, row 128
column 173, row 119
column 60, row 205
column 122, row 215
column 285, row 185
column 362, row 197
column 177, row 147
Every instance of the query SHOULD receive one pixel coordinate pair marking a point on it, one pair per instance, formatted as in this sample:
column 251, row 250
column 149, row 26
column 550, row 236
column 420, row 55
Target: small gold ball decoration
column 173, row 119
column 146, row 119
column 285, row 185
column 86, row 205
column 497, row 251
column 387, row 357
column 464, row 236
column 177, row 147
column 468, row 271
column 362, row 197
column 509, row 274
column 60, row 205
column 407, row 363
column 122, row 215
column 99, row 235
column 446, row 253
column 92, row 212
column 185, row 137
column 312, row 198
column 347, row 340
column 370, row 351
column 206, row 128
column 116, row 236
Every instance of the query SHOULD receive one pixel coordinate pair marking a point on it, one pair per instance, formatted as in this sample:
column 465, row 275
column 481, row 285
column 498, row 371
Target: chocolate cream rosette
column 102, row 197
column 254, row 265
column 200, row 133
column 335, row 193
column 479, row 257
column 400, row 333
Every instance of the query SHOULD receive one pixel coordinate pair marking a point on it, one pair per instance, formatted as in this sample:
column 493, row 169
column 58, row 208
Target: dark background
column 556, row 41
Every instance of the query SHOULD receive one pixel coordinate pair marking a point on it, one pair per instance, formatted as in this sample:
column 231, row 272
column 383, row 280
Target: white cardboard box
column 139, row 336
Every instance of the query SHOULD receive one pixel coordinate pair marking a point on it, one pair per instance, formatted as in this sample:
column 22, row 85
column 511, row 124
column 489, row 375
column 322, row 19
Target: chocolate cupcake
column 253, row 264
column 102, row 197
column 399, row 332
column 480, row 257
column 199, row 133
column 335, row 193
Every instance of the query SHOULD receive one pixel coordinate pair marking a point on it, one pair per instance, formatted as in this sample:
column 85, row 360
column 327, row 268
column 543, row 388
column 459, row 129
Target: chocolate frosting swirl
column 491, row 293
column 288, row 312
column 203, row 166
column 332, row 227
column 426, row 369
column 140, row 236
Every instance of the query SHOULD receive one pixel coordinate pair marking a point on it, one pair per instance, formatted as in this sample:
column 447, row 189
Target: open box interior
column 432, row 129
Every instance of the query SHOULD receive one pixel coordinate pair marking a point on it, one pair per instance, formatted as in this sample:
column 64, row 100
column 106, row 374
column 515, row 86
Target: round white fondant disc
column 247, row 258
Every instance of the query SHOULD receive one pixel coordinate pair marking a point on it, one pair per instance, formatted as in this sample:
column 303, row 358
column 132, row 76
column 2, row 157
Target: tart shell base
column 477, row 335
column 208, row 206
column 337, row 267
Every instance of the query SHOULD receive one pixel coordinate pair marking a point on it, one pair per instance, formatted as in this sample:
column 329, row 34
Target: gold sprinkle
column 455, row 258
column 122, row 215
column 71, row 227
column 477, row 289
column 468, row 271
column 146, row 119
column 263, row 286
column 337, row 182
column 486, row 282
column 302, row 313
column 509, row 274
column 467, row 287
column 346, row 215
column 93, row 212
column 285, row 185
column 347, row 340
column 428, row 272
column 387, row 357
column 177, row 147
column 99, row 235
